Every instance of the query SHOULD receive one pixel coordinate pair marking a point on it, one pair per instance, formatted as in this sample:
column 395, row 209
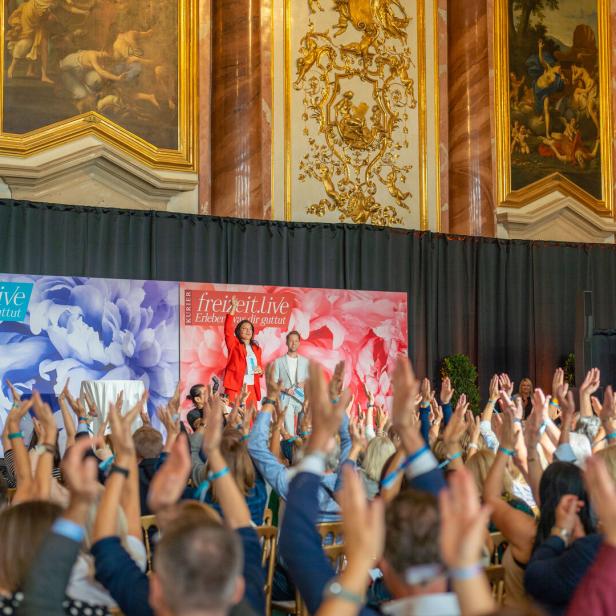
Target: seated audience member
column 23, row 529
column 596, row 593
column 275, row 473
column 149, row 447
column 249, row 481
column 197, row 396
column 198, row 571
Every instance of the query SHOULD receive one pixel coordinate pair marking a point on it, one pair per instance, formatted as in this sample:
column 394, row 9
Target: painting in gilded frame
column 122, row 68
column 552, row 67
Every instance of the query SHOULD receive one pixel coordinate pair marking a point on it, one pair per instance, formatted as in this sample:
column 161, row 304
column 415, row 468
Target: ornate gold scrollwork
column 357, row 95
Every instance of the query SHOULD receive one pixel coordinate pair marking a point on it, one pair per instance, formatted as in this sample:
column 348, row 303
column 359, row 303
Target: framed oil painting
column 553, row 93
column 123, row 69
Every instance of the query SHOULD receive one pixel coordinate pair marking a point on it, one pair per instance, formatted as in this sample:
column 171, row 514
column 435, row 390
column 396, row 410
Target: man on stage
column 292, row 370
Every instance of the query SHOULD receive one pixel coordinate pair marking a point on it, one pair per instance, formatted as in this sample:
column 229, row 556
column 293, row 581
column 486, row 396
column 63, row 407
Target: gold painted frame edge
column 519, row 198
column 184, row 158
column 422, row 106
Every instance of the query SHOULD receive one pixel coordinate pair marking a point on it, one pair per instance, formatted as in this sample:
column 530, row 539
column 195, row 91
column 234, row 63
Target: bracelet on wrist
column 13, row 435
column 506, row 451
column 450, row 459
column 267, row 400
column 121, row 470
column 473, row 446
column 461, row 574
column 336, row 590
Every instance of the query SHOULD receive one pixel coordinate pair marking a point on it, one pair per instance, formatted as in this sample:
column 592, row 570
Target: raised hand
column 506, row 384
column 273, row 386
column 494, row 390
column 602, row 492
column 558, row 380
column 121, row 435
column 337, row 381
column 234, row 305
column 566, row 513
column 447, row 391
column 174, row 402
column 456, row 427
column 363, row 523
column 591, row 382
column 425, row 390
column 369, row 394
column 16, row 395
column 92, row 408
column 212, row 435
column 403, row 415
column 358, row 437
column 80, row 473
column 567, row 403
column 168, row 483
column 608, row 412
column 463, row 522
column 326, row 414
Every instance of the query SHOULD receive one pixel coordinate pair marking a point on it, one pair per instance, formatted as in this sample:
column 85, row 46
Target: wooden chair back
column 499, row 543
column 148, row 522
column 496, row 577
column 269, row 537
column 331, row 532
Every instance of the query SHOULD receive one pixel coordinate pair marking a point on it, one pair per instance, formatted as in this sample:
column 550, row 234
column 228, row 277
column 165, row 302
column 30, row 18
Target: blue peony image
column 92, row 329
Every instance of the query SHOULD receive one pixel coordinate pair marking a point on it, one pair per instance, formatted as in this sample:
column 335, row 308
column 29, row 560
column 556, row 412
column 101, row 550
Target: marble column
column 471, row 202
column 236, row 182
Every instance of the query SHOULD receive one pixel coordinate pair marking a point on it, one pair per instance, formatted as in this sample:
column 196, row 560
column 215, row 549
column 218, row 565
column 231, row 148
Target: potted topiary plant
column 463, row 375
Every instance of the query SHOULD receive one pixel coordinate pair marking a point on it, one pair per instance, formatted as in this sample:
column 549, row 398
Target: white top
column 84, row 587
column 292, row 364
column 251, row 365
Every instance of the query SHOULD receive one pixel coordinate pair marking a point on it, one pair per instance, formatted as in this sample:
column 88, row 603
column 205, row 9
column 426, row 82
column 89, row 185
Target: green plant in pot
column 463, row 374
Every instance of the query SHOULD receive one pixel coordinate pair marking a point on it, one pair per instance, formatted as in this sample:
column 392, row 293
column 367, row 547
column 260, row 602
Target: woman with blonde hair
column 379, row 450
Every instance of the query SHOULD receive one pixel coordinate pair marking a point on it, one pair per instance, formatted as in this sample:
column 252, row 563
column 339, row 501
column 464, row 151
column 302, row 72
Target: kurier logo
column 14, row 300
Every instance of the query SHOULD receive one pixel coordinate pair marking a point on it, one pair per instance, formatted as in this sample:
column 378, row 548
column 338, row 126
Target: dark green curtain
column 510, row 305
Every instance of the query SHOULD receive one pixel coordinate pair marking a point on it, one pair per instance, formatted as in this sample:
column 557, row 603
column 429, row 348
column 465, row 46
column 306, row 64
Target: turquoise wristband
column 204, row 486
column 607, row 438
column 508, row 452
column 465, row 573
column 450, row 459
column 14, row 435
column 245, row 437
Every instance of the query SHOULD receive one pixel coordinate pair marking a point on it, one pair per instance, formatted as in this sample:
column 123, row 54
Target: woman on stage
column 244, row 360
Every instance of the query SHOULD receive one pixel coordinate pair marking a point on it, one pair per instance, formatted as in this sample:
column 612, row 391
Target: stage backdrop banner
column 86, row 329
column 367, row 329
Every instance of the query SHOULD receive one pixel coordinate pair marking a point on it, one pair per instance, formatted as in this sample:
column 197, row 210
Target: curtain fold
column 509, row 305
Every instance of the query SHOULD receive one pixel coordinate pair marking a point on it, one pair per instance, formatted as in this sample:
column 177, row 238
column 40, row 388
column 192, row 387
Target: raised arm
column 67, row 420
column 42, row 475
column 48, row 577
column 272, row 470
column 589, row 386
column 232, row 502
column 230, row 339
column 363, row 525
column 23, row 470
column 105, row 524
column 518, row 528
column 463, row 524
column 300, row 544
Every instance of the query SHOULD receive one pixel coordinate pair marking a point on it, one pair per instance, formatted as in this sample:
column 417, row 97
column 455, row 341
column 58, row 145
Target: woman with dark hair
column 244, row 359
column 537, row 549
column 197, row 397
column 567, row 542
